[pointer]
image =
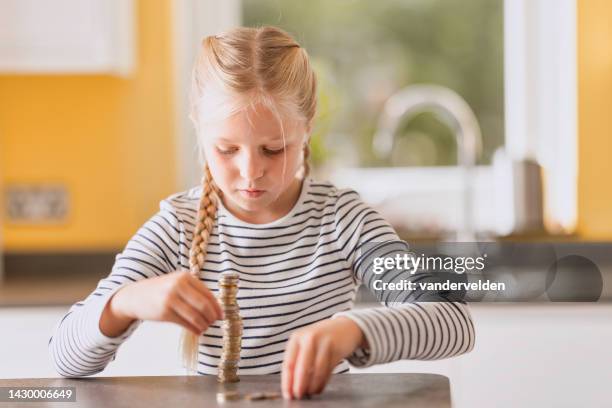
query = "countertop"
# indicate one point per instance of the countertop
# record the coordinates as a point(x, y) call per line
point(346, 390)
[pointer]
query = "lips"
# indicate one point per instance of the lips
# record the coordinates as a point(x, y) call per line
point(252, 192)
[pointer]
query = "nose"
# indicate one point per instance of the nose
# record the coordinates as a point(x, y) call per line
point(251, 166)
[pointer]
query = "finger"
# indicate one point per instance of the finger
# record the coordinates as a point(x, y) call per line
point(199, 302)
point(303, 367)
point(288, 368)
point(326, 377)
point(203, 289)
point(322, 363)
point(189, 314)
point(175, 318)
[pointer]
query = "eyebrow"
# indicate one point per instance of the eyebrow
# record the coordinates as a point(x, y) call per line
point(274, 139)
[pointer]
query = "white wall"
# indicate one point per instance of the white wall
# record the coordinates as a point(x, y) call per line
point(551, 355)
point(26, 332)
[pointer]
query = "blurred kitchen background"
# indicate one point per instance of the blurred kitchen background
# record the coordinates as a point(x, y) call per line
point(457, 119)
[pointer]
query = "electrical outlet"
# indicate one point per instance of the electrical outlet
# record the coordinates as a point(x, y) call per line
point(43, 203)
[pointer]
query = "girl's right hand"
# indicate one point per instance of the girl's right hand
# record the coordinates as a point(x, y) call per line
point(175, 297)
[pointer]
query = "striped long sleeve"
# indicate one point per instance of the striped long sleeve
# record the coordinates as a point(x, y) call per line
point(77, 346)
point(413, 328)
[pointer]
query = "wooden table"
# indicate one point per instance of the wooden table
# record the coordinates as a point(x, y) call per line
point(344, 390)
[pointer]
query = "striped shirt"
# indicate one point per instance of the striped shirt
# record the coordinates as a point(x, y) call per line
point(295, 271)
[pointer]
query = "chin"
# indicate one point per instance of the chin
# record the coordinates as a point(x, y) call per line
point(252, 205)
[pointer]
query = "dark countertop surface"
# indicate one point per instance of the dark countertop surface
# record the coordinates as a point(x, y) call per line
point(345, 390)
point(61, 279)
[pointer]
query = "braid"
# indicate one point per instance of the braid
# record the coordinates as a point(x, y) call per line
point(205, 219)
point(306, 158)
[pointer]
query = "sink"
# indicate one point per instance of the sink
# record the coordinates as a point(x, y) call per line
point(426, 200)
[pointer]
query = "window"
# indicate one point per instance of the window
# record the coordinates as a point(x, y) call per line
point(364, 51)
point(513, 61)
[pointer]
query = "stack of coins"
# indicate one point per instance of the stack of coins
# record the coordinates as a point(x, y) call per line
point(231, 328)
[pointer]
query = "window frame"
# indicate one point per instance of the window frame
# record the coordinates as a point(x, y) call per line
point(540, 88)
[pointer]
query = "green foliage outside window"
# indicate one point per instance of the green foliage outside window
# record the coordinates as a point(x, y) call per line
point(364, 51)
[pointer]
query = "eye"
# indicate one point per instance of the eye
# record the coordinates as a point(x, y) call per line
point(226, 151)
point(272, 152)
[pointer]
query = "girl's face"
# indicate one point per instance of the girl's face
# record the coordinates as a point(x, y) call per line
point(251, 165)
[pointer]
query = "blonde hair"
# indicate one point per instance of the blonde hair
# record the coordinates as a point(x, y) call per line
point(236, 70)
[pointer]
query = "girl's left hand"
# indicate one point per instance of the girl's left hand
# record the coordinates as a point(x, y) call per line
point(313, 352)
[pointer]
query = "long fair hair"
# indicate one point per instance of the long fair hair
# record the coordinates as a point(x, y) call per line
point(234, 71)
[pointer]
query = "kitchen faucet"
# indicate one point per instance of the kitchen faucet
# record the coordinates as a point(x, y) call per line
point(452, 110)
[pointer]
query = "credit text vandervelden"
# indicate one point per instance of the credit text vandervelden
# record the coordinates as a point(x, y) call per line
point(412, 264)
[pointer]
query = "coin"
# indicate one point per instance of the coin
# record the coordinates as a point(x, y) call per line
point(228, 396)
point(271, 395)
point(258, 396)
point(254, 396)
point(231, 328)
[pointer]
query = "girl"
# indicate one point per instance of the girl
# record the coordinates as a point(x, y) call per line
point(295, 243)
